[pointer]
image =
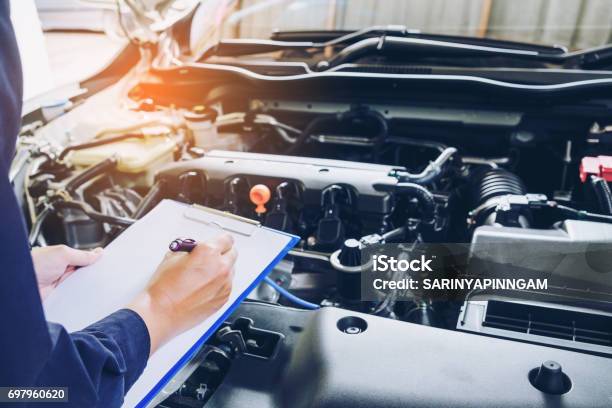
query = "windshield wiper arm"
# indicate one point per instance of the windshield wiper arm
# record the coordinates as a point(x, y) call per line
point(416, 47)
point(410, 44)
point(330, 37)
point(286, 40)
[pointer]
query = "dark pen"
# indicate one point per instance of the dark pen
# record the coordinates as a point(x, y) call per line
point(182, 245)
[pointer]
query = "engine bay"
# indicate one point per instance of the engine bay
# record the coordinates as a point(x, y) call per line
point(344, 171)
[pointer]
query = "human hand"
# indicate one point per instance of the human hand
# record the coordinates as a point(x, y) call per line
point(53, 264)
point(186, 289)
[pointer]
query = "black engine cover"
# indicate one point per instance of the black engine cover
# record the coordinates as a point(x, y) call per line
point(396, 364)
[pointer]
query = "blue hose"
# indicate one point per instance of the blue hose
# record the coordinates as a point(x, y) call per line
point(291, 297)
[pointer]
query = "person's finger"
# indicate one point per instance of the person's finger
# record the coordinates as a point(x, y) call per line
point(64, 276)
point(231, 256)
point(77, 257)
point(172, 254)
point(220, 244)
point(223, 242)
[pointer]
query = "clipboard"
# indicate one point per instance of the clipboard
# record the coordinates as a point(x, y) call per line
point(131, 259)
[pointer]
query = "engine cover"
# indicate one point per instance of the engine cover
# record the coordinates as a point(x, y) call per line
point(413, 366)
point(310, 176)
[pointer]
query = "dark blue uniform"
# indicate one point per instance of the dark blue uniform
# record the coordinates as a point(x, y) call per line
point(100, 363)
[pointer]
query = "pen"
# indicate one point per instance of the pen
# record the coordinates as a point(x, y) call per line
point(182, 245)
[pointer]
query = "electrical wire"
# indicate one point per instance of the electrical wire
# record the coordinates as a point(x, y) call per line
point(398, 232)
point(301, 253)
point(584, 215)
point(290, 296)
point(37, 226)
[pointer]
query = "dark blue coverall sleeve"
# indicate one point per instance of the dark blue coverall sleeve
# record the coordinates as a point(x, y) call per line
point(98, 364)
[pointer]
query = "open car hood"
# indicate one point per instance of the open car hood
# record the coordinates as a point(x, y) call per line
point(144, 20)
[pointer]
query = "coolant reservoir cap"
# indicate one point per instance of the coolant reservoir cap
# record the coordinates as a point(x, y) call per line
point(201, 114)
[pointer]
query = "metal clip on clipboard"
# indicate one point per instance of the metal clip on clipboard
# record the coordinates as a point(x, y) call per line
point(222, 220)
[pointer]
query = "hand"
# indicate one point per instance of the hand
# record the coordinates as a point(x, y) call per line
point(53, 264)
point(186, 289)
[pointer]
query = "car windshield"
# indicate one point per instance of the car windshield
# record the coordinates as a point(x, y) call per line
point(570, 23)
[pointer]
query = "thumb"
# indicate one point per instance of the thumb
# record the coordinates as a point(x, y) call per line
point(77, 257)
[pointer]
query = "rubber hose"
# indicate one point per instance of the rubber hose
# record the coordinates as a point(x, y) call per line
point(150, 200)
point(603, 193)
point(93, 214)
point(423, 196)
point(300, 141)
point(383, 126)
point(37, 226)
point(494, 183)
point(431, 172)
point(89, 174)
point(290, 296)
point(101, 142)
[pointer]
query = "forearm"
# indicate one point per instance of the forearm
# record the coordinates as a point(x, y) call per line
point(125, 335)
point(100, 363)
point(157, 319)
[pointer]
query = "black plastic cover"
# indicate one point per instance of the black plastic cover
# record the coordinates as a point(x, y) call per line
point(311, 174)
point(389, 363)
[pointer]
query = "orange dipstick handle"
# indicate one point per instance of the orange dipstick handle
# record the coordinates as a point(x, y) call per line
point(260, 195)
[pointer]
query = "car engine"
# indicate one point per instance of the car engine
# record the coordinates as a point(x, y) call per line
point(385, 162)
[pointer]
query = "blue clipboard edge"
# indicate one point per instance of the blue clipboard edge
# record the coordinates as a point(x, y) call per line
point(194, 349)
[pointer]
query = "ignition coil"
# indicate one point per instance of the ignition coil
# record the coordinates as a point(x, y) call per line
point(232, 194)
point(278, 218)
point(330, 229)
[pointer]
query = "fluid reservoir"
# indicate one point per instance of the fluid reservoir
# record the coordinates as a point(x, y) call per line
point(201, 123)
point(138, 155)
point(134, 155)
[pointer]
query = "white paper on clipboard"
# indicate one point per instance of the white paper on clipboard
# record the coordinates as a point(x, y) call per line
point(129, 262)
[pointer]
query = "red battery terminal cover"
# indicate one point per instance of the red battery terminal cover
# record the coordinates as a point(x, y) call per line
point(600, 166)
